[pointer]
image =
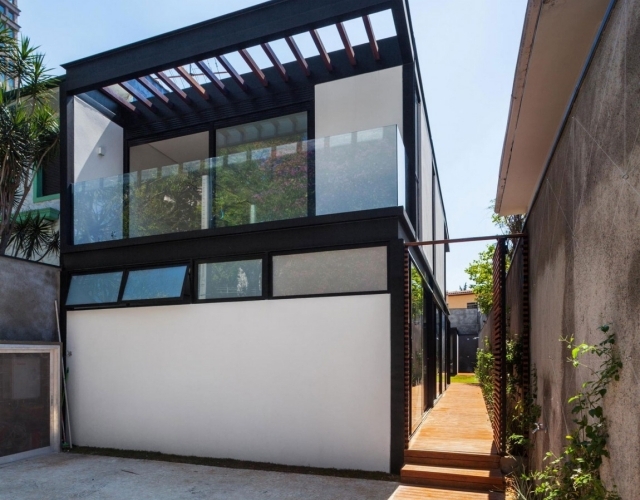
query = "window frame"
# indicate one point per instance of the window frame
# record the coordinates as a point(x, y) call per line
point(185, 296)
point(93, 305)
point(185, 292)
point(232, 258)
point(384, 244)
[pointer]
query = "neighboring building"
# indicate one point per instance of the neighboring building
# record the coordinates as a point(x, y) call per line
point(233, 245)
point(466, 323)
point(44, 198)
point(462, 299)
point(571, 161)
point(9, 14)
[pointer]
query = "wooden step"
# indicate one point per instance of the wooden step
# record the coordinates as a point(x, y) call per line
point(452, 459)
point(406, 492)
point(452, 477)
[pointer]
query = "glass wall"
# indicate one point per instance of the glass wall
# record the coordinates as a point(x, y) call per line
point(417, 348)
point(261, 171)
point(337, 271)
point(438, 352)
point(229, 280)
point(264, 171)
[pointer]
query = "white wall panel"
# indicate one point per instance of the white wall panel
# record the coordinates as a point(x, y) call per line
point(298, 381)
point(359, 103)
point(426, 178)
point(91, 130)
point(440, 254)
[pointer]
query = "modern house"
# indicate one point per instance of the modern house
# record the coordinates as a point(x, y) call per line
point(235, 204)
point(570, 161)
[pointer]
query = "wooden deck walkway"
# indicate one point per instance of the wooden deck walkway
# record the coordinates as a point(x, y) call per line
point(459, 423)
point(452, 455)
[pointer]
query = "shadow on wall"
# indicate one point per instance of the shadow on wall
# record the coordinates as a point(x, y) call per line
point(27, 298)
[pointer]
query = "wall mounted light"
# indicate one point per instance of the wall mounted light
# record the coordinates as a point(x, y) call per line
point(100, 151)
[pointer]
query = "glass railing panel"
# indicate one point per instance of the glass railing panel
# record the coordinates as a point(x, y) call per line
point(98, 210)
point(357, 171)
point(345, 173)
point(167, 200)
point(263, 185)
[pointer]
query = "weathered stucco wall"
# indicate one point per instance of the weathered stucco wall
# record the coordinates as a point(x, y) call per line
point(27, 294)
point(585, 248)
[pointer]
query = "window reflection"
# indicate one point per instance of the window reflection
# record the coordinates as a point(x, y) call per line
point(100, 288)
point(417, 347)
point(263, 175)
point(227, 280)
point(161, 283)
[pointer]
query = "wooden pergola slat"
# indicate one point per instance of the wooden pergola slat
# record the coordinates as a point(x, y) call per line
point(275, 61)
point(193, 82)
point(323, 52)
point(119, 100)
point(233, 73)
point(304, 66)
point(351, 55)
point(137, 94)
point(148, 84)
point(213, 78)
point(166, 79)
point(373, 42)
point(254, 67)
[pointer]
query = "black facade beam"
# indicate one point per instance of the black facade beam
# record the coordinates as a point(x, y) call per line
point(249, 27)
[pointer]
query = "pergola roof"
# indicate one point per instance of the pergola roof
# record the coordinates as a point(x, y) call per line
point(188, 64)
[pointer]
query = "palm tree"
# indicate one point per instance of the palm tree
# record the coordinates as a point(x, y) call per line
point(29, 137)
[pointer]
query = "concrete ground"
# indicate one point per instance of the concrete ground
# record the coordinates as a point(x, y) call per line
point(65, 476)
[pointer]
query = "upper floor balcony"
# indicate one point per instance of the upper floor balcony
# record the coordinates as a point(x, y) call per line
point(252, 182)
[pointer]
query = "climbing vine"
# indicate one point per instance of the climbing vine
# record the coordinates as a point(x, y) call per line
point(575, 473)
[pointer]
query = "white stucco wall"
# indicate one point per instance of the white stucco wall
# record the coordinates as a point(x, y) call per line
point(91, 130)
point(426, 178)
point(297, 381)
point(359, 103)
point(440, 250)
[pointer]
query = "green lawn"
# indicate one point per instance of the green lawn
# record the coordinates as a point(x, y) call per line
point(464, 378)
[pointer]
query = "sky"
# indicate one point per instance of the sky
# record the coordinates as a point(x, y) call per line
point(467, 51)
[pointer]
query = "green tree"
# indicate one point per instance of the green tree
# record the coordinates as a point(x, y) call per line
point(29, 134)
point(480, 273)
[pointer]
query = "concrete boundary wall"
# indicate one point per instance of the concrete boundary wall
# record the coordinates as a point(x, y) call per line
point(27, 294)
point(585, 250)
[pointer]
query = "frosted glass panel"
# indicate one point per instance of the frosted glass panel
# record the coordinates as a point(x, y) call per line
point(228, 280)
point(163, 283)
point(340, 271)
point(94, 288)
point(359, 171)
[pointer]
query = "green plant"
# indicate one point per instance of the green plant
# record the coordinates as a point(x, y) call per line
point(522, 411)
point(29, 129)
point(33, 237)
point(575, 473)
point(480, 272)
point(484, 374)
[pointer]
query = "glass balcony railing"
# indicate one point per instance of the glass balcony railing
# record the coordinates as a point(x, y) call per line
point(344, 173)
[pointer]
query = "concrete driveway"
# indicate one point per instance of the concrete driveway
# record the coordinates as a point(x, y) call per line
point(68, 476)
